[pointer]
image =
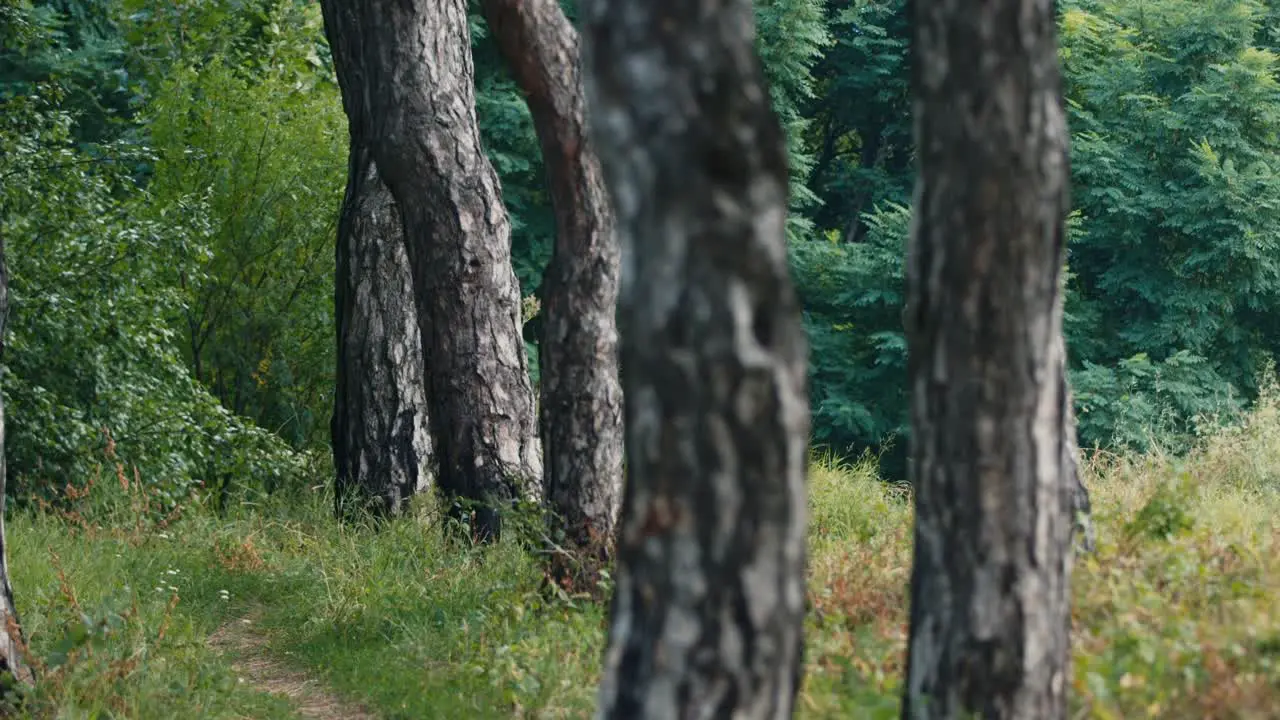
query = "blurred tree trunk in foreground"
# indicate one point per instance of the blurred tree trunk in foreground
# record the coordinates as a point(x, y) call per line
point(709, 607)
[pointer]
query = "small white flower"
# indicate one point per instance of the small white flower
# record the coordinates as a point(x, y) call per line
point(171, 572)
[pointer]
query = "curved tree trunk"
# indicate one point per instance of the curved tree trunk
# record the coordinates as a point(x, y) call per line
point(407, 80)
point(581, 396)
point(993, 450)
point(381, 441)
point(11, 659)
point(707, 615)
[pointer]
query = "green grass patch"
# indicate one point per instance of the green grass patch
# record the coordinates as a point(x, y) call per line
point(1176, 616)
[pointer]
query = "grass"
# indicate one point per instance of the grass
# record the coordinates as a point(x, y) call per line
point(1177, 615)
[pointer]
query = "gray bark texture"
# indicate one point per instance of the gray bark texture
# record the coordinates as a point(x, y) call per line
point(994, 467)
point(581, 407)
point(707, 614)
point(381, 440)
point(408, 81)
point(11, 643)
point(1082, 529)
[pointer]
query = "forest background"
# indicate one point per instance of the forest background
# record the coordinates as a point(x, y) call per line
point(170, 180)
point(172, 174)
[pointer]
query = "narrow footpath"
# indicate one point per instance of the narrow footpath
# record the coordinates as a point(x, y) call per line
point(244, 647)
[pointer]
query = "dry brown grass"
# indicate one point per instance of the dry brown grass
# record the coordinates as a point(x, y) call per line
point(1177, 614)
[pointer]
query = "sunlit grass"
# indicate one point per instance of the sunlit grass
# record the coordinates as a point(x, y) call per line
point(1177, 615)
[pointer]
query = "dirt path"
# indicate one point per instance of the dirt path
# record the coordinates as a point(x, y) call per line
point(240, 640)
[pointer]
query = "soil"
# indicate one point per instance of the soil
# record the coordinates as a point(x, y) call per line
point(247, 649)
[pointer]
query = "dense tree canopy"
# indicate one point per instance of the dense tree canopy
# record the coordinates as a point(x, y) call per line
point(179, 167)
point(1172, 261)
point(98, 280)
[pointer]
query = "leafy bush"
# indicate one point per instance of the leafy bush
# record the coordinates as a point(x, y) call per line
point(89, 352)
point(1175, 114)
point(1141, 404)
point(264, 157)
point(852, 296)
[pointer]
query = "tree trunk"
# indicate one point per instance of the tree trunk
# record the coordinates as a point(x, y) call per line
point(707, 614)
point(1082, 530)
point(11, 659)
point(581, 396)
point(381, 441)
point(994, 465)
point(407, 80)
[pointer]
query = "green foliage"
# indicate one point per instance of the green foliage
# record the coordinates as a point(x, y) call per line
point(860, 115)
point(1176, 120)
point(211, 137)
point(281, 37)
point(76, 44)
point(209, 222)
point(791, 35)
point(506, 129)
point(1166, 513)
point(267, 160)
point(1140, 404)
point(89, 355)
point(849, 271)
point(852, 296)
point(1174, 249)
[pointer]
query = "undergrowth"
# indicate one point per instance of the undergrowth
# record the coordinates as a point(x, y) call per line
point(1177, 614)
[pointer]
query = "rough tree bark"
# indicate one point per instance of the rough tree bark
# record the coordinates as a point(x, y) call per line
point(381, 441)
point(707, 613)
point(1082, 529)
point(992, 443)
point(581, 407)
point(11, 659)
point(407, 78)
